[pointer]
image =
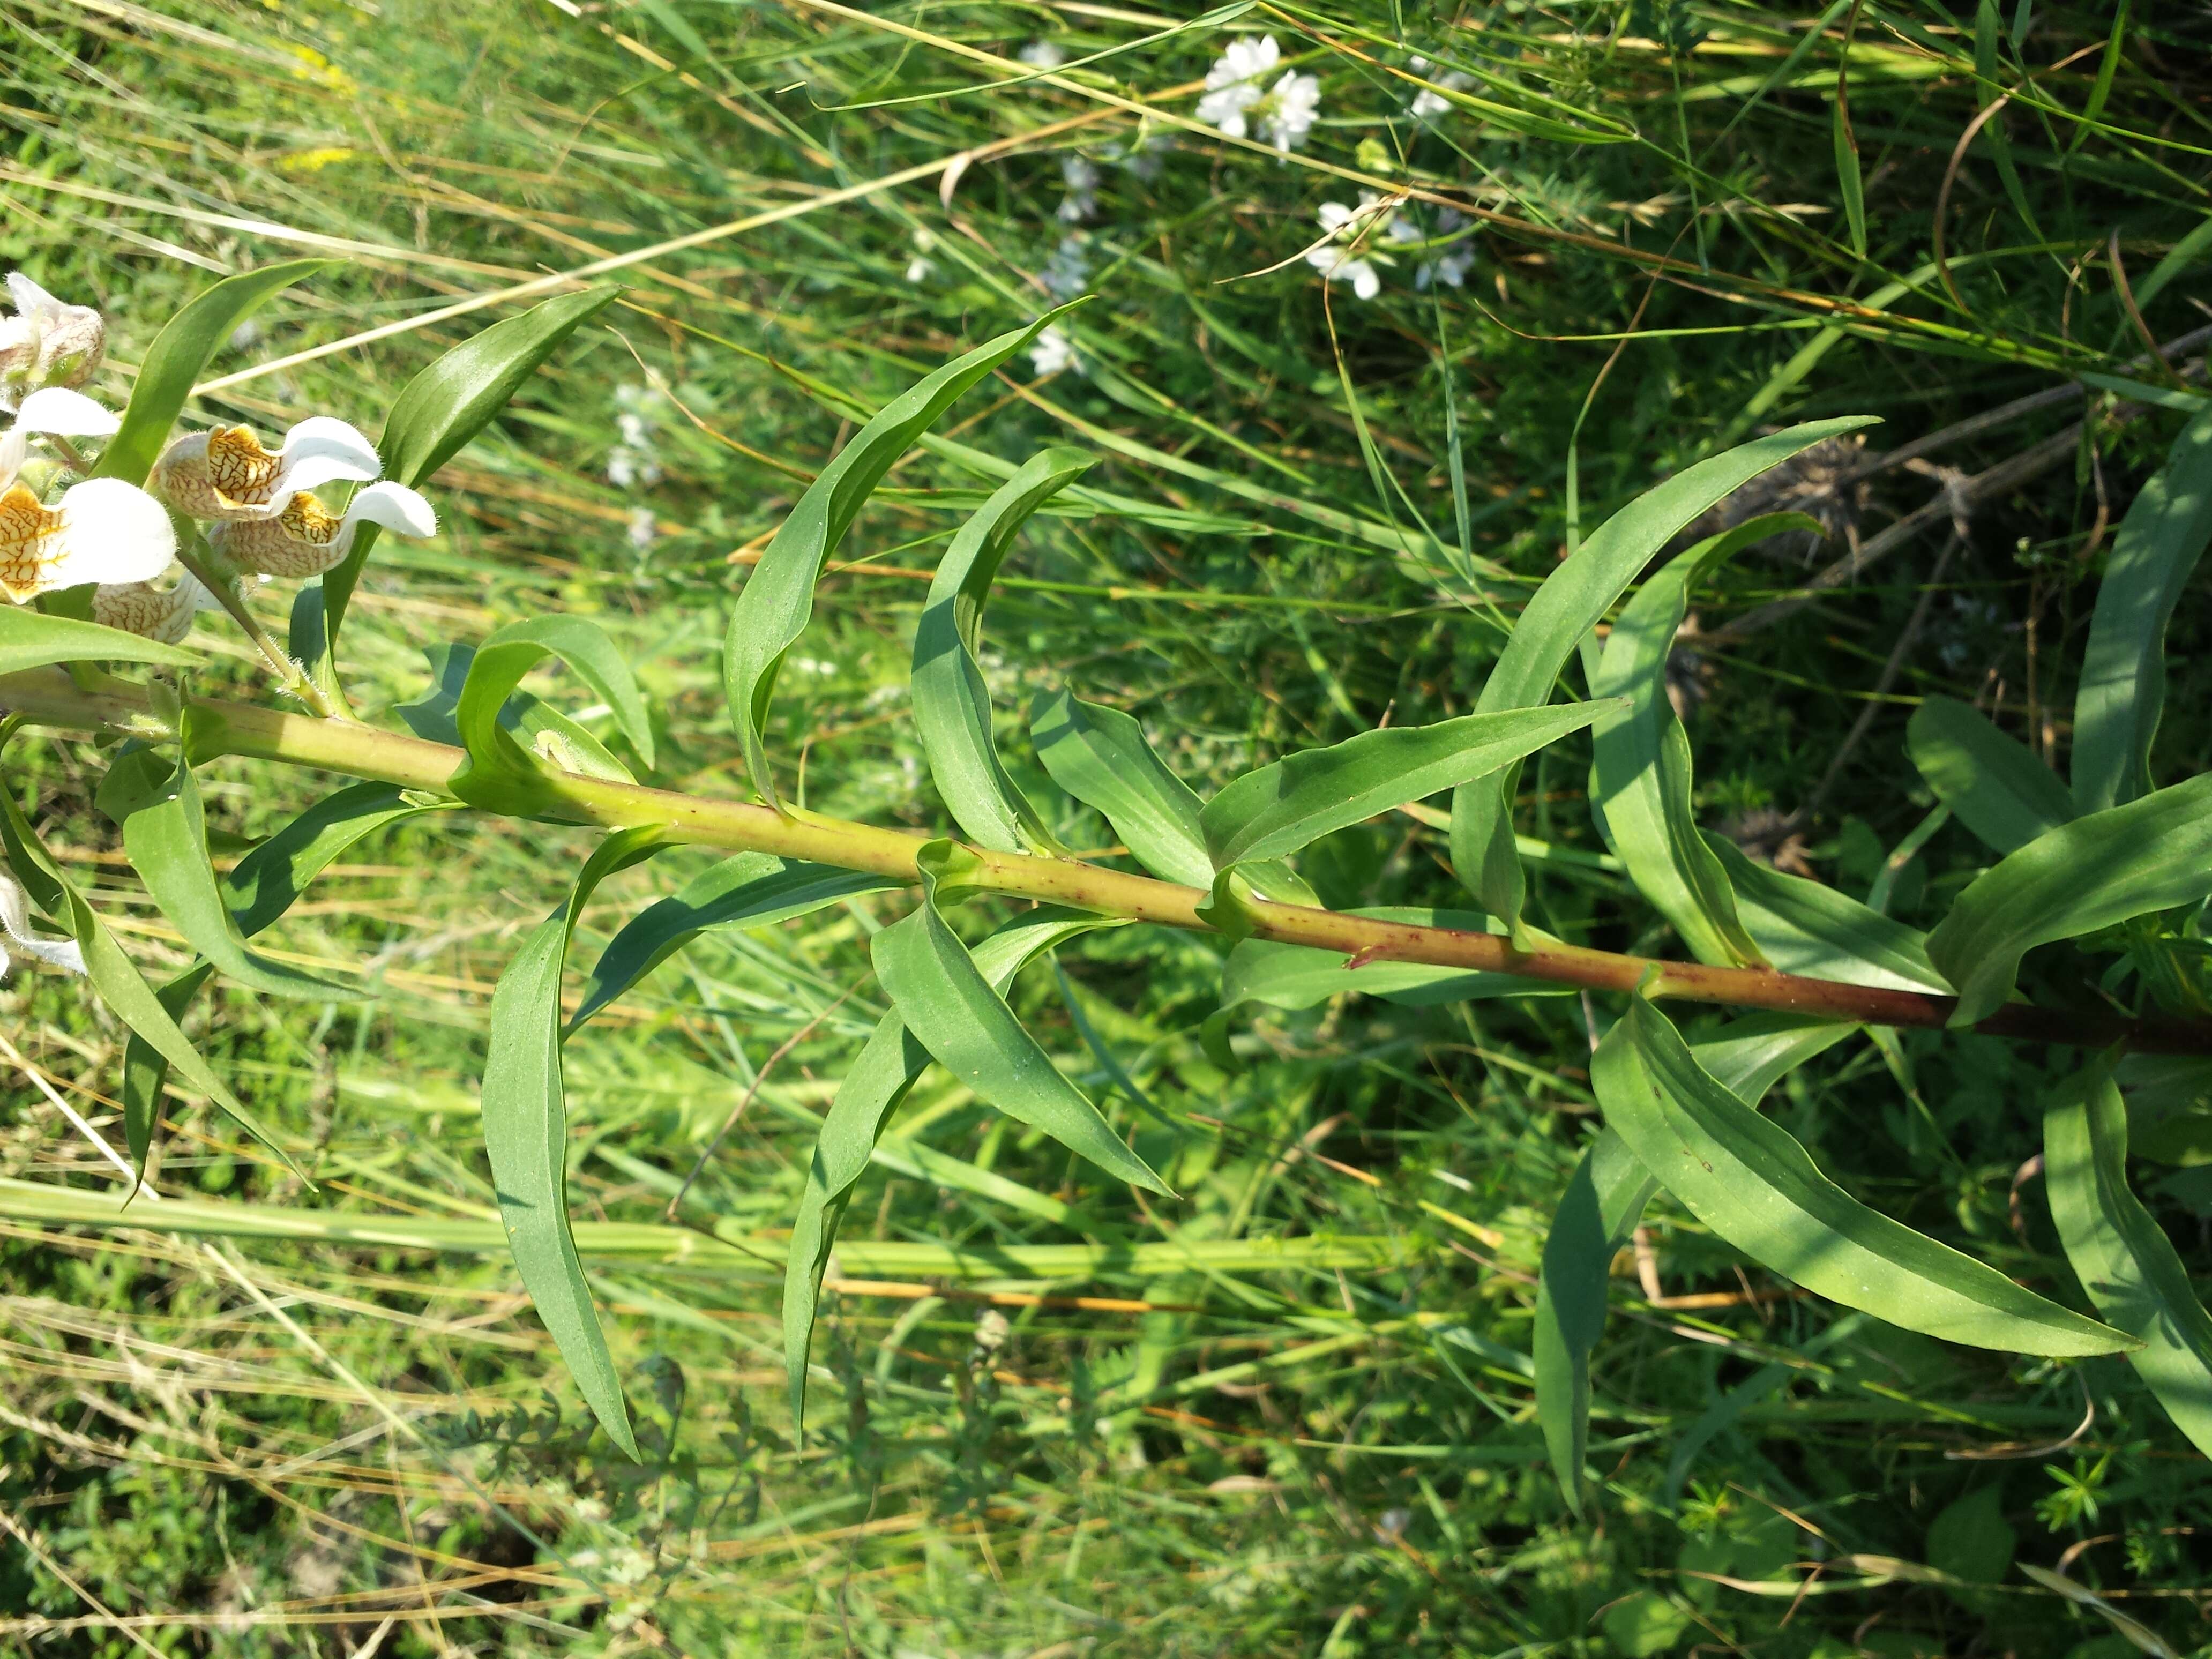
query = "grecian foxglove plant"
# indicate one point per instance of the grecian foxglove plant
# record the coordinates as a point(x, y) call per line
point(1799, 966)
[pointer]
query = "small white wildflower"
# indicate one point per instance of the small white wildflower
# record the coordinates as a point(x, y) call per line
point(1333, 258)
point(919, 269)
point(643, 531)
point(1450, 265)
point(1051, 352)
point(1082, 198)
point(1427, 106)
point(1232, 85)
point(1067, 271)
point(1288, 114)
point(1041, 55)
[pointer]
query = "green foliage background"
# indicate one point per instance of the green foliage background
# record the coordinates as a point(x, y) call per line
point(1172, 1449)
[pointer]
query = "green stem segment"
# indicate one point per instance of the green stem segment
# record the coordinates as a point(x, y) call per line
point(48, 697)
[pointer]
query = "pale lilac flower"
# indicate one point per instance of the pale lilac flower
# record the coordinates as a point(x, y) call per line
point(1082, 180)
point(1146, 160)
point(1067, 271)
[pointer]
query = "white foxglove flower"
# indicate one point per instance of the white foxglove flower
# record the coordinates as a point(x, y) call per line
point(1427, 106)
point(226, 474)
point(1041, 55)
point(102, 531)
point(16, 922)
point(52, 411)
point(1051, 352)
point(46, 342)
point(162, 614)
point(1232, 85)
point(306, 538)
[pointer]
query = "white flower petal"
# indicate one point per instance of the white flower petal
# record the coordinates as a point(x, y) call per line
point(111, 531)
point(65, 413)
point(30, 299)
point(15, 921)
point(323, 449)
point(395, 508)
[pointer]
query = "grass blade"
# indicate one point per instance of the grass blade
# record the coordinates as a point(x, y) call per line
point(952, 703)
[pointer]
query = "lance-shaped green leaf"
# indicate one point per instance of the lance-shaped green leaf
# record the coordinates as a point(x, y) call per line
point(968, 1028)
point(1749, 1180)
point(1299, 975)
point(952, 703)
point(1573, 600)
point(871, 1092)
point(2100, 869)
point(1100, 755)
point(1605, 1199)
point(157, 803)
point(501, 774)
point(778, 598)
point(446, 405)
point(525, 1129)
point(1280, 808)
point(260, 888)
point(180, 351)
point(32, 639)
point(538, 726)
point(1997, 787)
point(2123, 689)
point(1640, 776)
point(2121, 1255)
point(114, 976)
point(750, 890)
point(1808, 928)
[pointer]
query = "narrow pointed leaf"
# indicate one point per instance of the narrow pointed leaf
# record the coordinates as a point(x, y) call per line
point(871, 1092)
point(2151, 854)
point(1999, 790)
point(2122, 1256)
point(1749, 1180)
point(32, 639)
point(172, 364)
point(778, 598)
point(501, 774)
point(526, 1130)
point(1807, 927)
point(945, 1001)
point(1572, 601)
point(952, 703)
point(1299, 976)
point(2116, 710)
point(750, 889)
point(114, 976)
point(1100, 755)
point(446, 405)
point(157, 803)
point(1640, 774)
point(1604, 1200)
point(1280, 808)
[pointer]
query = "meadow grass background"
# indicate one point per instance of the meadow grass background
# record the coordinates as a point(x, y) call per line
point(1288, 1413)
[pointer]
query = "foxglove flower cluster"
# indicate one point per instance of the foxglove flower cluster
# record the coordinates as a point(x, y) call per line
point(1238, 104)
